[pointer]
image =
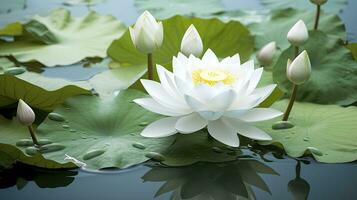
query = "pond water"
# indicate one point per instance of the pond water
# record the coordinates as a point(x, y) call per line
point(269, 176)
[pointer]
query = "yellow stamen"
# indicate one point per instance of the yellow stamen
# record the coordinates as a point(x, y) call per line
point(212, 77)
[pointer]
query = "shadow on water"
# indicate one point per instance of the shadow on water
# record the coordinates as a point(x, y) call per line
point(20, 175)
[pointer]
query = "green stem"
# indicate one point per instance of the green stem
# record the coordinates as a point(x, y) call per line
point(317, 17)
point(150, 67)
point(33, 135)
point(296, 51)
point(291, 103)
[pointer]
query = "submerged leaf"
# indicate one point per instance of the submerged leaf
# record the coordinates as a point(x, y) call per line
point(334, 72)
point(60, 39)
point(328, 132)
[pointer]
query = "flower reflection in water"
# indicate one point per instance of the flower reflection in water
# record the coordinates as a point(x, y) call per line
point(230, 180)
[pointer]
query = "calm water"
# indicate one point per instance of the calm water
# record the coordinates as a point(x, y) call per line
point(271, 177)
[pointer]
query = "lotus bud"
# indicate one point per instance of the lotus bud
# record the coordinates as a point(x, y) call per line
point(266, 54)
point(191, 42)
point(25, 114)
point(299, 70)
point(147, 34)
point(298, 34)
point(318, 2)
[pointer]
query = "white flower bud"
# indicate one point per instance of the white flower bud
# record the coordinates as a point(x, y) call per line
point(298, 34)
point(191, 42)
point(25, 114)
point(299, 70)
point(266, 54)
point(318, 2)
point(147, 34)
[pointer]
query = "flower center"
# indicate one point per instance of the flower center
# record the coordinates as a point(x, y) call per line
point(212, 76)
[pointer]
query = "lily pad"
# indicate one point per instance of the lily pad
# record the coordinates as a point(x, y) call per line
point(334, 6)
point(13, 132)
point(164, 9)
point(102, 133)
point(75, 38)
point(229, 180)
point(108, 82)
point(38, 91)
point(280, 21)
point(11, 5)
point(225, 39)
point(327, 132)
point(13, 29)
point(334, 72)
point(353, 48)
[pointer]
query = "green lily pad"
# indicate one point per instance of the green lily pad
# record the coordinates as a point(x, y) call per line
point(102, 133)
point(279, 22)
point(13, 132)
point(75, 38)
point(38, 91)
point(334, 6)
point(165, 9)
point(229, 180)
point(11, 5)
point(82, 2)
point(353, 48)
point(327, 132)
point(13, 29)
point(233, 38)
point(333, 78)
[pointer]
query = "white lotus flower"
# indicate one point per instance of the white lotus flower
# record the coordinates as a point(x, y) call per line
point(191, 42)
point(219, 95)
point(266, 54)
point(25, 114)
point(299, 70)
point(318, 2)
point(147, 34)
point(298, 34)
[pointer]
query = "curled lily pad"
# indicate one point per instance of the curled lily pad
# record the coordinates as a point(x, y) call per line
point(327, 132)
point(164, 9)
point(279, 22)
point(334, 6)
point(233, 38)
point(102, 133)
point(38, 91)
point(334, 72)
point(75, 38)
point(229, 180)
